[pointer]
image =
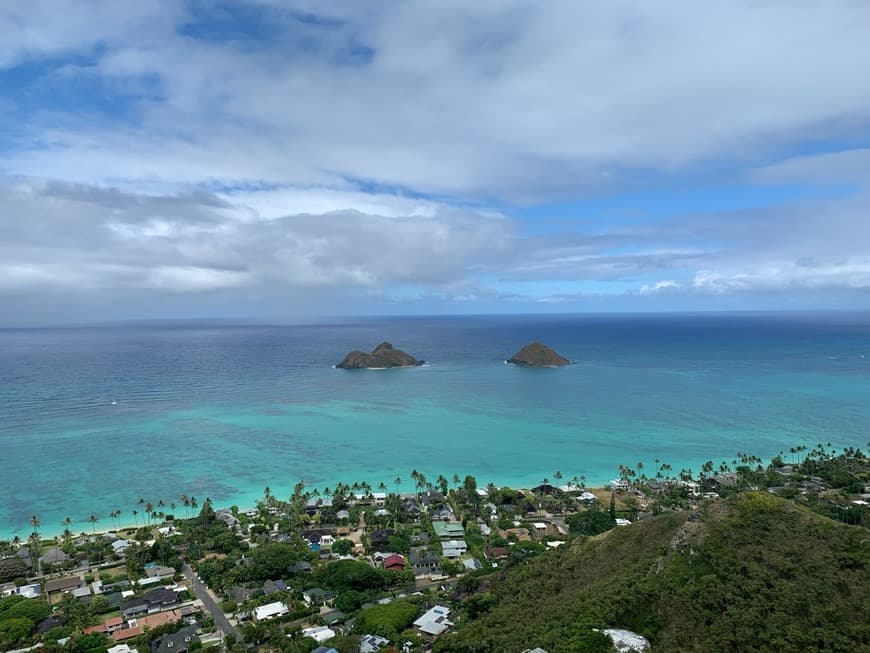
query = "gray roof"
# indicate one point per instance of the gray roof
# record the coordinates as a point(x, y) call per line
point(53, 555)
point(177, 642)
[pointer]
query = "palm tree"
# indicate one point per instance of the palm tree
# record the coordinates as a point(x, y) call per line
point(397, 481)
point(16, 542)
point(136, 517)
point(149, 511)
point(94, 519)
point(35, 546)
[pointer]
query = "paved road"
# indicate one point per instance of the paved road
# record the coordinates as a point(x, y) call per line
point(202, 593)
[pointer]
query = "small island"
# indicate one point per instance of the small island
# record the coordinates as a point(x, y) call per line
point(383, 356)
point(538, 354)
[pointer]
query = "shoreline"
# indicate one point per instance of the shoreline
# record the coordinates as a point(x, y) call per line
point(247, 499)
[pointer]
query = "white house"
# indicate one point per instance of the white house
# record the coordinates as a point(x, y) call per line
point(454, 548)
point(372, 643)
point(319, 633)
point(434, 621)
point(270, 611)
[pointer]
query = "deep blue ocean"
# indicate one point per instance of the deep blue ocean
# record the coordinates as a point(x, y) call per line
point(92, 419)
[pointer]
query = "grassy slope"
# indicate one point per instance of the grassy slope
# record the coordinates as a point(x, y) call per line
point(754, 574)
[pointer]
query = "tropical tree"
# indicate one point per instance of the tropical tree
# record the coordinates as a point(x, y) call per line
point(93, 519)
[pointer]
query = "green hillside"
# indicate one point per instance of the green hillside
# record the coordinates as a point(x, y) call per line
point(754, 573)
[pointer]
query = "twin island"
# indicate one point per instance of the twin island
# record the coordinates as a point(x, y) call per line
point(386, 356)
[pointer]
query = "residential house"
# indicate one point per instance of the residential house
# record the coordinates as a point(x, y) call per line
point(394, 562)
point(270, 611)
point(424, 562)
point(63, 584)
point(121, 648)
point(159, 572)
point(472, 564)
point(440, 514)
point(303, 566)
point(372, 643)
point(319, 634)
point(178, 642)
point(454, 548)
point(53, 555)
point(30, 591)
point(124, 634)
point(228, 518)
point(108, 626)
point(323, 649)
point(134, 607)
point(495, 553)
point(448, 530)
point(161, 599)
point(160, 619)
point(380, 539)
point(316, 536)
point(434, 621)
point(317, 596)
point(82, 592)
point(273, 587)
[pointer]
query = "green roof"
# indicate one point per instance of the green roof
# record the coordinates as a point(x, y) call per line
point(448, 528)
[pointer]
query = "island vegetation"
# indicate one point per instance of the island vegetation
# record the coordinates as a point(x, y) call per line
point(381, 357)
point(738, 556)
point(537, 354)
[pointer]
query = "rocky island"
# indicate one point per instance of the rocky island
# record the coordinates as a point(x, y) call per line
point(382, 356)
point(538, 354)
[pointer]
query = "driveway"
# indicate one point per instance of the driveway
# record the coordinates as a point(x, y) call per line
point(208, 600)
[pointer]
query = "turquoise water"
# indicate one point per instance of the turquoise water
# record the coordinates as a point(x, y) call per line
point(93, 419)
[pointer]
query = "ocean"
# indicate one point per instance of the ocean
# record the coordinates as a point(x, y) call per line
point(93, 419)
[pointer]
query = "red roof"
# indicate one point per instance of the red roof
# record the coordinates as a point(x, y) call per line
point(127, 633)
point(99, 628)
point(394, 561)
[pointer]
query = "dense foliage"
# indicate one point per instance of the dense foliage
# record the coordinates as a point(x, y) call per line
point(386, 620)
point(754, 573)
point(18, 619)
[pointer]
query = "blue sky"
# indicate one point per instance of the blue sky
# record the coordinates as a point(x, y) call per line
point(281, 160)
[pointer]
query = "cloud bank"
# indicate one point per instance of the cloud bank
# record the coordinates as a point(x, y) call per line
point(403, 154)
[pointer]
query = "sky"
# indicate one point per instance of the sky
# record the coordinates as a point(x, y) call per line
point(281, 160)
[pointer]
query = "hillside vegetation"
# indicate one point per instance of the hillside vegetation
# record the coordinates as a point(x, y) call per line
point(753, 573)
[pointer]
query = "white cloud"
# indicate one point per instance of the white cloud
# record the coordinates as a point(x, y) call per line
point(61, 235)
point(786, 275)
point(659, 286)
point(511, 100)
